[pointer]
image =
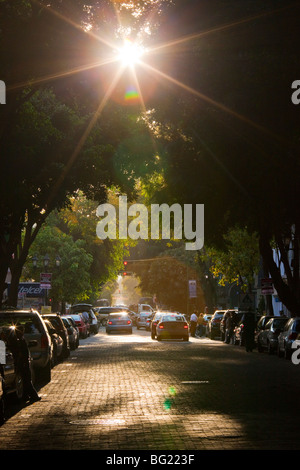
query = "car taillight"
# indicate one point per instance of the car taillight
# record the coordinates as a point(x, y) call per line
point(128, 322)
point(44, 341)
point(110, 322)
point(160, 326)
point(186, 327)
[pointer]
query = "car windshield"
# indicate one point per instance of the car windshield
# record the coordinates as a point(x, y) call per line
point(30, 323)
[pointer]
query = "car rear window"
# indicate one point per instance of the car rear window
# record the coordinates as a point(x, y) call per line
point(173, 318)
point(31, 323)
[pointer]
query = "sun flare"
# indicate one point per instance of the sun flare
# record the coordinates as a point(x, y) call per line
point(130, 53)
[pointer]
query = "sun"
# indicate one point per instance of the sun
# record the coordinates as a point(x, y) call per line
point(130, 53)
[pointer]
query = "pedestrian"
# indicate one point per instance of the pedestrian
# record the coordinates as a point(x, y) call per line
point(193, 323)
point(249, 323)
point(21, 354)
point(229, 325)
point(200, 325)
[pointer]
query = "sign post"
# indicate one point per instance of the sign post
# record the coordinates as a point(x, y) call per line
point(267, 286)
point(45, 283)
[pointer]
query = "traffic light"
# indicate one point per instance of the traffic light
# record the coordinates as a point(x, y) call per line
point(125, 272)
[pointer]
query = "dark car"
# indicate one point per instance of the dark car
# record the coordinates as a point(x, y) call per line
point(57, 343)
point(119, 322)
point(267, 339)
point(172, 326)
point(12, 380)
point(290, 333)
point(36, 336)
point(61, 330)
point(261, 325)
point(73, 331)
point(154, 321)
point(213, 327)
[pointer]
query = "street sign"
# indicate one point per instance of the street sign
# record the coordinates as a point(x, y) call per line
point(45, 280)
point(192, 289)
point(246, 300)
point(267, 286)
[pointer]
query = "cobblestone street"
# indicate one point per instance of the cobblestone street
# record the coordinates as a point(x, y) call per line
point(127, 392)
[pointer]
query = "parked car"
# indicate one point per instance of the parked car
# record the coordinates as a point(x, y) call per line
point(12, 380)
point(213, 327)
point(172, 326)
point(119, 321)
point(290, 333)
point(144, 320)
point(74, 337)
point(94, 326)
point(57, 344)
point(36, 336)
point(154, 321)
point(261, 325)
point(61, 330)
point(72, 332)
point(268, 337)
point(82, 326)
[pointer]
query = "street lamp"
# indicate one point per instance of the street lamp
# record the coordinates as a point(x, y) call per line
point(46, 260)
point(34, 261)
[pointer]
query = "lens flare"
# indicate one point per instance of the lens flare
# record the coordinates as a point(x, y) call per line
point(130, 53)
point(131, 95)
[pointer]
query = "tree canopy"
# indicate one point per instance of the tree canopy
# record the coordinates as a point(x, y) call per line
point(208, 117)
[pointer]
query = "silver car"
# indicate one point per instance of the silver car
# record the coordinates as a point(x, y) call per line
point(144, 320)
point(117, 322)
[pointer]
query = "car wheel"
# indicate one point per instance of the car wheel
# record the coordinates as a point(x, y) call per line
point(158, 338)
point(152, 335)
point(185, 338)
point(270, 349)
point(259, 348)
